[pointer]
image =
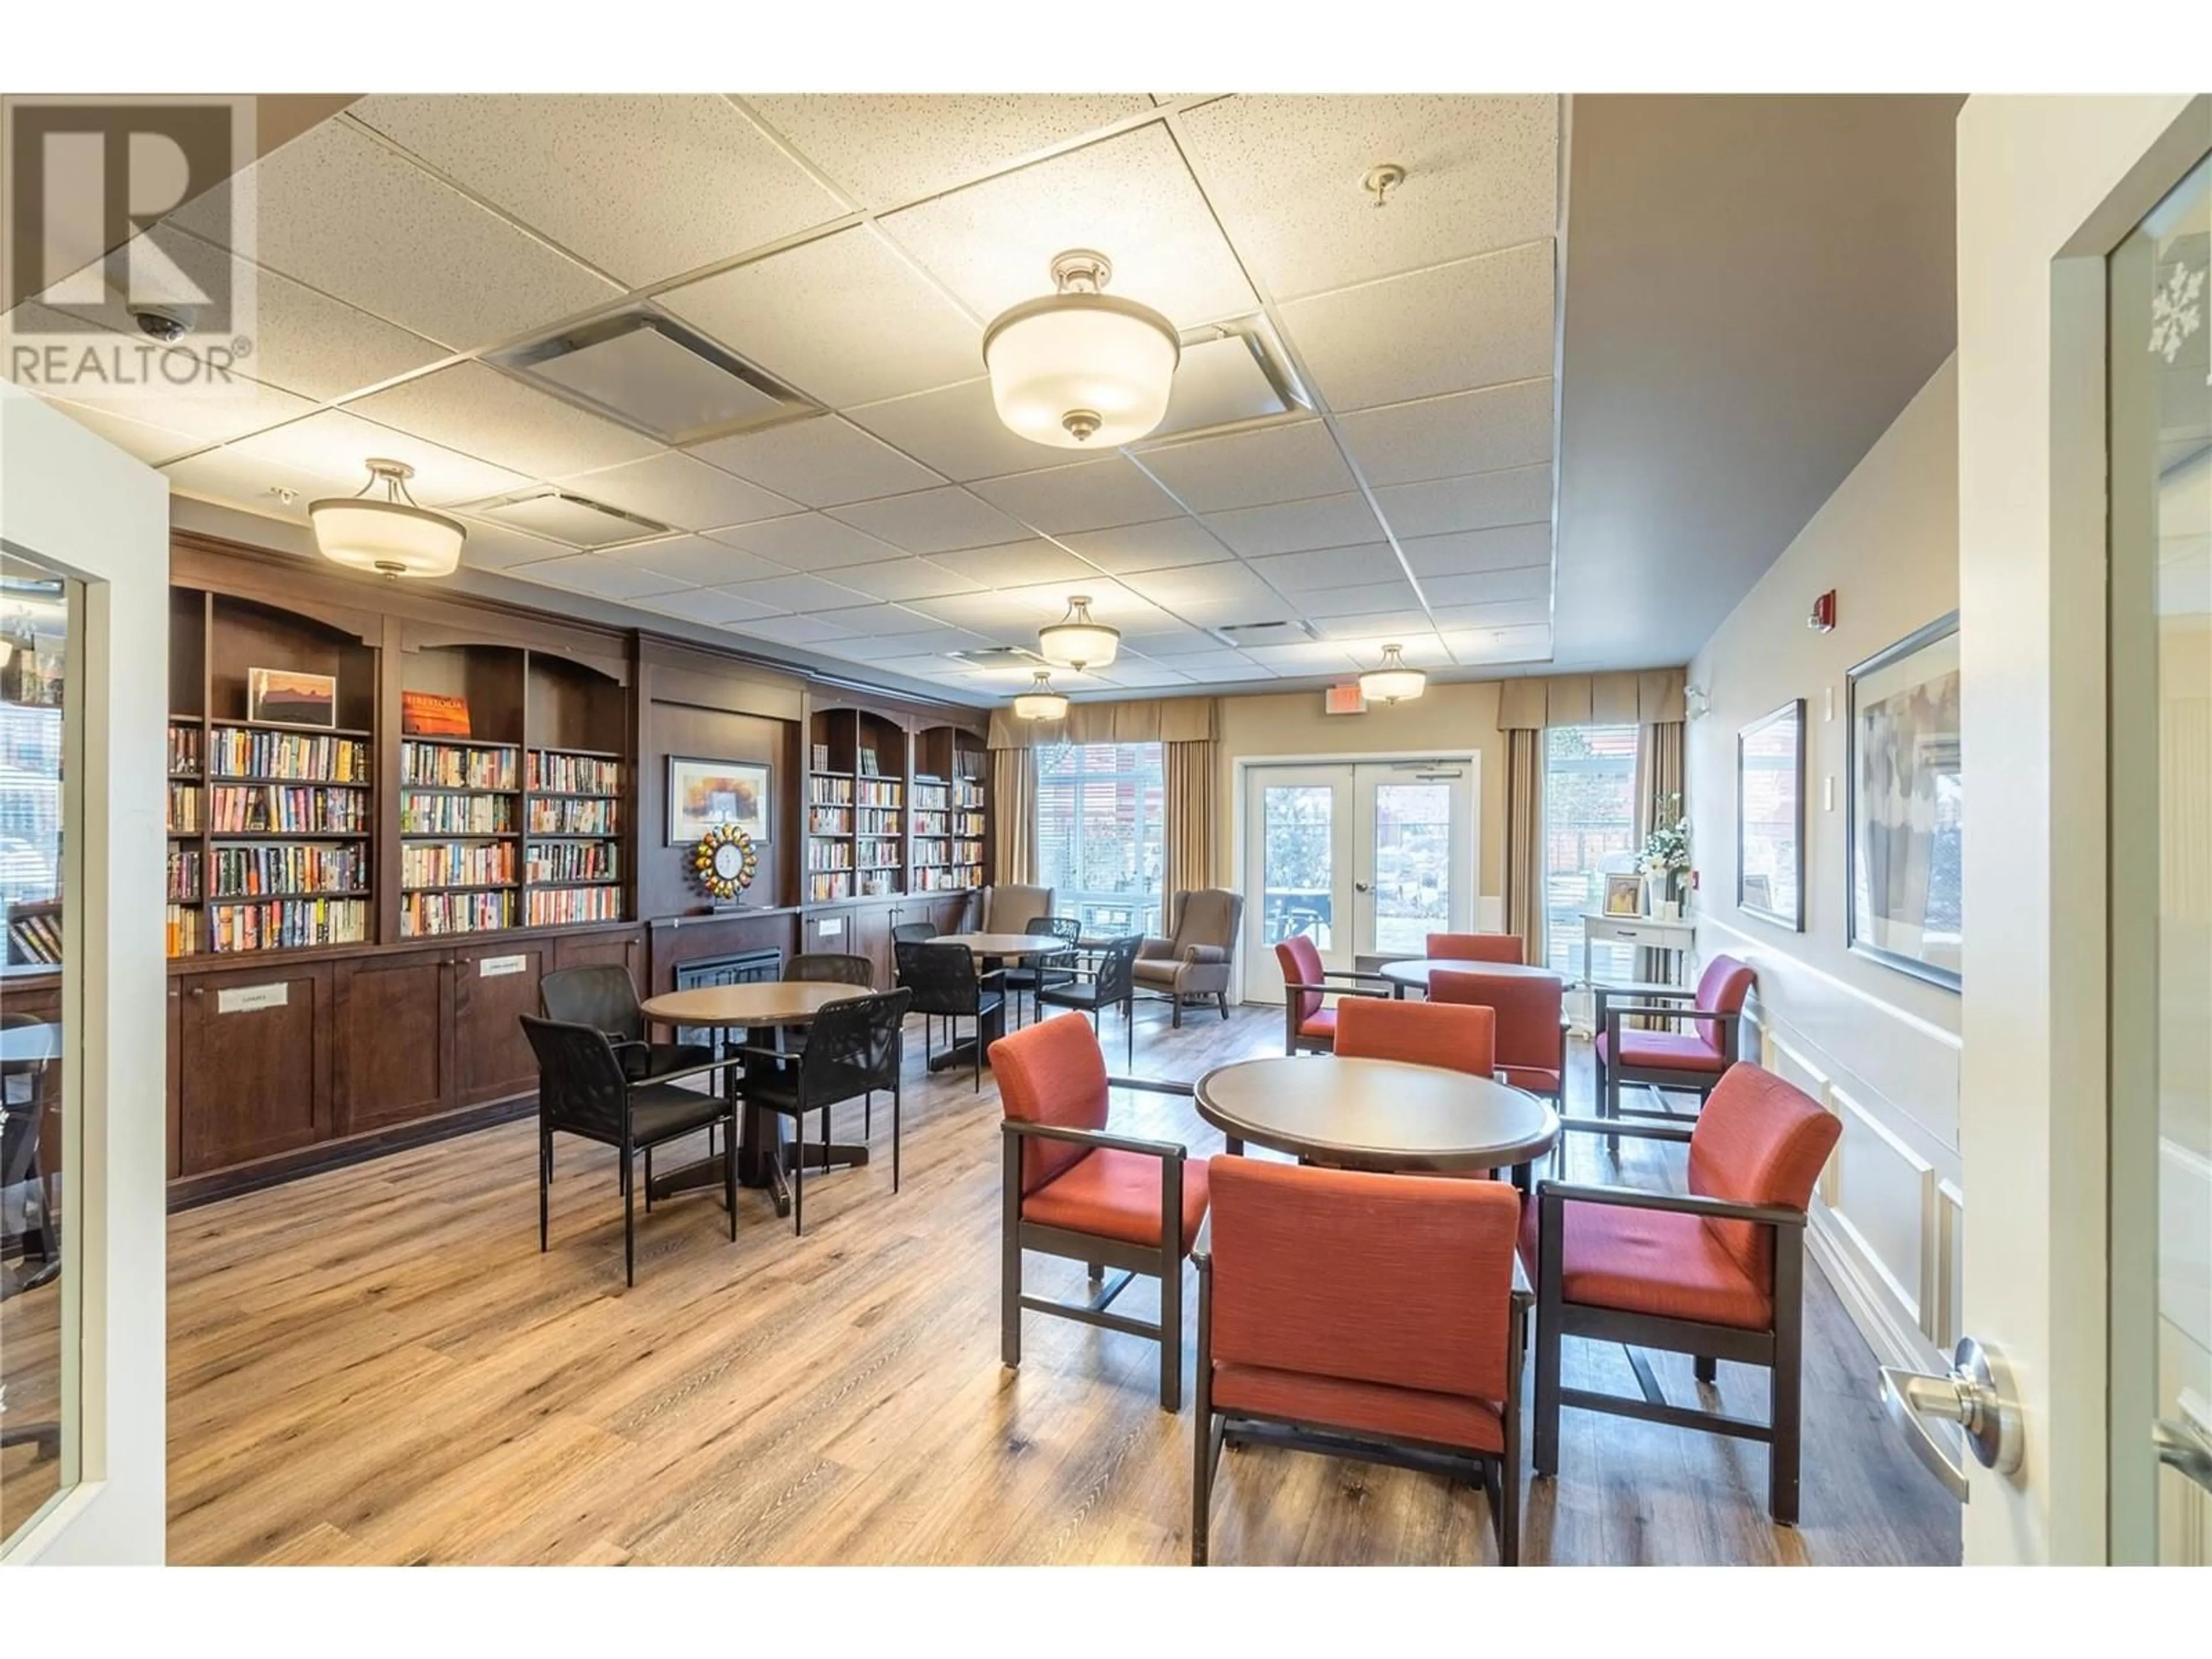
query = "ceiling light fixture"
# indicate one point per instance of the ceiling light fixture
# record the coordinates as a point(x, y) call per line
point(1076, 642)
point(394, 537)
point(1081, 368)
point(1040, 701)
point(1392, 682)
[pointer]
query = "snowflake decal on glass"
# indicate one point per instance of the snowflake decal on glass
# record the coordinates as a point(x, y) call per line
point(2174, 311)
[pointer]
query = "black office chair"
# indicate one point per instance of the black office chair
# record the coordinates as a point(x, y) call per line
point(603, 998)
point(913, 933)
point(1110, 979)
point(1058, 969)
point(582, 1091)
point(853, 1048)
point(830, 966)
point(944, 981)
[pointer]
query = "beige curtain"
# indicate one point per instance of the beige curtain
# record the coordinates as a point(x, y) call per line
point(1156, 719)
point(1524, 839)
point(1191, 831)
point(1625, 699)
point(1660, 799)
point(1013, 815)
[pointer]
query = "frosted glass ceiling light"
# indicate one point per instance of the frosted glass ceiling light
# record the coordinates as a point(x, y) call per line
point(392, 536)
point(1040, 701)
point(1076, 642)
point(1392, 682)
point(1081, 368)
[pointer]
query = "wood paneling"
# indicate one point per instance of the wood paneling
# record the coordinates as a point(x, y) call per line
point(256, 1074)
point(496, 981)
point(688, 938)
point(664, 886)
point(393, 1042)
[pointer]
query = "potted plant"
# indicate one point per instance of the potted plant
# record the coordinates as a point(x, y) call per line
point(1666, 860)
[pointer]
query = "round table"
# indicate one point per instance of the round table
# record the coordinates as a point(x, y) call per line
point(1414, 974)
point(763, 1002)
point(985, 948)
point(1382, 1114)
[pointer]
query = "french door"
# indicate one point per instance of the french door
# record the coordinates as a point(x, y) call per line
point(1363, 858)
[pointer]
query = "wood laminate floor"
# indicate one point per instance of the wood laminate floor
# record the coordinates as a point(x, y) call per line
point(377, 1365)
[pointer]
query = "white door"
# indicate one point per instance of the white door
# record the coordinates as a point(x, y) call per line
point(1364, 859)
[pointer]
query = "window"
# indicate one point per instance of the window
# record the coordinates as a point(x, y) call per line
point(1099, 836)
point(1590, 830)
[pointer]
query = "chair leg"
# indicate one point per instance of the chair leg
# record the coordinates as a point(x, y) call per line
point(1201, 1466)
point(1705, 1368)
point(1129, 1029)
point(1784, 1387)
point(978, 1053)
point(1174, 1017)
point(545, 1183)
point(1611, 1109)
point(648, 1181)
point(630, 1221)
point(1221, 1002)
point(798, 1173)
point(730, 1171)
point(868, 1115)
point(1010, 1255)
point(895, 1134)
point(1171, 1335)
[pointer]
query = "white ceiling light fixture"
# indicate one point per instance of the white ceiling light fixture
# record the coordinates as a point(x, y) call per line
point(1040, 701)
point(1392, 682)
point(1076, 642)
point(1081, 368)
point(394, 537)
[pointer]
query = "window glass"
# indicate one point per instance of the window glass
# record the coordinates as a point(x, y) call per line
point(1589, 832)
point(1098, 834)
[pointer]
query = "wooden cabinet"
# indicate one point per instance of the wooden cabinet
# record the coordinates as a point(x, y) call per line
point(393, 1048)
point(497, 984)
point(254, 1063)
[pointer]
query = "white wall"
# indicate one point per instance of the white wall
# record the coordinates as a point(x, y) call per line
point(77, 503)
point(1878, 1047)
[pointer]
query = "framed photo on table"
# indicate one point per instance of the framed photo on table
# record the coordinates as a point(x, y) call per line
point(1906, 788)
point(1624, 895)
point(1770, 817)
point(702, 794)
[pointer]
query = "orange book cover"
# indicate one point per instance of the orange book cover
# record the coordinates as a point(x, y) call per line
point(433, 714)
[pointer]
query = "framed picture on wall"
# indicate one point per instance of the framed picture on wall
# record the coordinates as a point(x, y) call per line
point(1770, 817)
point(1906, 792)
point(702, 794)
point(290, 697)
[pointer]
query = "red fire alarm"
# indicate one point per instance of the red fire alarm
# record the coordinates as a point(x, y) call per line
point(1823, 618)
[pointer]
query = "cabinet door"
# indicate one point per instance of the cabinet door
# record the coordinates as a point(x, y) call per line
point(496, 984)
point(173, 1028)
point(625, 950)
point(255, 1072)
point(393, 1056)
point(870, 931)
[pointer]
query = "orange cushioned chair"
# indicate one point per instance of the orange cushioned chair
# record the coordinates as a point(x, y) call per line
point(1361, 1315)
point(1532, 1033)
point(1689, 1062)
point(1718, 1273)
point(1459, 1039)
point(1074, 1190)
point(1476, 947)
point(1306, 1022)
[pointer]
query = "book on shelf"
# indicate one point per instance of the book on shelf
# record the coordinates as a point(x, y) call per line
point(237, 752)
point(555, 815)
point(287, 809)
point(554, 906)
point(557, 861)
point(829, 791)
point(425, 812)
point(965, 793)
point(829, 820)
point(186, 934)
point(878, 883)
point(290, 869)
point(184, 874)
point(185, 751)
point(433, 715)
point(874, 792)
point(455, 765)
point(829, 855)
point(575, 774)
point(423, 916)
point(820, 888)
point(184, 808)
point(286, 924)
point(879, 854)
point(822, 757)
point(456, 864)
point(876, 821)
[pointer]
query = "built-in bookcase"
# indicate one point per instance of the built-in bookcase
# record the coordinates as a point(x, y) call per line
point(460, 789)
point(857, 825)
point(948, 815)
point(578, 789)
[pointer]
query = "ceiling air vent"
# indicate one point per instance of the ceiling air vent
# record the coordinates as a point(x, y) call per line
point(1231, 373)
point(1001, 656)
point(1243, 636)
point(572, 520)
point(650, 372)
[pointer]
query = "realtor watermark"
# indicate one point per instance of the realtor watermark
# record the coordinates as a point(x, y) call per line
point(107, 295)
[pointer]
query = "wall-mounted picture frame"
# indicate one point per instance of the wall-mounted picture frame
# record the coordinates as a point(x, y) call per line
point(1624, 895)
point(1904, 804)
point(1770, 817)
point(287, 696)
point(702, 794)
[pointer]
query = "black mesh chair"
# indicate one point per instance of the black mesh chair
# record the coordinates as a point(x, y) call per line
point(23, 1163)
point(1111, 978)
point(943, 981)
point(835, 968)
point(603, 998)
point(1058, 969)
point(853, 1049)
point(582, 1091)
point(913, 933)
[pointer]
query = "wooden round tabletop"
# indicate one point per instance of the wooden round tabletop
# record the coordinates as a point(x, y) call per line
point(763, 1002)
point(1004, 945)
point(1416, 973)
point(1376, 1114)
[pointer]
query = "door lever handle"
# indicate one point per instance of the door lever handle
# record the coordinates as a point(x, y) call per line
point(2186, 1448)
point(1976, 1394)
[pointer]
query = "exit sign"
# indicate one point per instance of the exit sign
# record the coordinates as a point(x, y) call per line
point(1343, 700)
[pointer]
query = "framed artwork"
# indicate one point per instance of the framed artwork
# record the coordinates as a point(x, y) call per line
point(290, 697)
point(1624, 895)
point(1770, 817)
point(703, 794)
point(1906, 806)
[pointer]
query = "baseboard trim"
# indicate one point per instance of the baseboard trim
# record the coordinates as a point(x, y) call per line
point(1866, 1304)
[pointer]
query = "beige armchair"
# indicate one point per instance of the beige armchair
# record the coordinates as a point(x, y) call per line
point(1010, 908)
point(1195, 963)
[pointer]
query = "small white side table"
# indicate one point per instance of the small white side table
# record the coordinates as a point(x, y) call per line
point(1648, 931)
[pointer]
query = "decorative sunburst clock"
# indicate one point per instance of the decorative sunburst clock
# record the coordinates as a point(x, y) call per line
point(723, 862)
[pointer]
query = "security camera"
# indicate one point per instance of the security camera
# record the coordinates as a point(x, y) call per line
point(167, 323)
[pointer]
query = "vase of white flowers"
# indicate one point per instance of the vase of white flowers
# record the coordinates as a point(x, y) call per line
point(1666, 860)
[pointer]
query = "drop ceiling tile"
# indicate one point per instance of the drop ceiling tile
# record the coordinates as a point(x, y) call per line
point(1488, 588)
point(1521, 494)
point(150, 444)
point(798, 593)
point(933, 521)
point(1097, 495)
point(885, 622)
point(697, 560)
point(1298, 526)
point(842, 318)
point(1484, 321)
point(822, 461)
point(907, 578)
point(254, 482)
point(644, 187)
point(1368, 598)
point(708, 606)
point(795, 630)
point(1532, 644)
point(808, 541)
point(1174, 641)
point(1250, 673)
point(481, 411)
point(1485, 431)
point(336, 444)
point(1020, 563)
point(1159, 546)
point(1467, 552)
point(1374, 563)
point(1375, 625)
point(956, 430)
point(1000, 616)
point(343, 214)
point(494, 546)
point(210, 418)
point(1503, 613)
point(1111, 603)
point(1131, 197)
point(1307, 657)
point(1286, 173)
point(595, 573)
point(1133, 672)
point(890, 149)
point(1251, 468)
point(1421, 647)
point(1211, 587)
point(679, 490)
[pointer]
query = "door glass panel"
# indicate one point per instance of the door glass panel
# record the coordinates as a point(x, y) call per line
point(1298, 875)
point(38, 815)
point(1412, 865)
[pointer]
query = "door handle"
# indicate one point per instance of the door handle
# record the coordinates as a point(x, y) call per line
point(1976, 1394)
point(1362, 887)
point(2184, 1447)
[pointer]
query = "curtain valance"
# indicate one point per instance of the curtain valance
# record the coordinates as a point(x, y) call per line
point(1156, 719)
point(1648, 697)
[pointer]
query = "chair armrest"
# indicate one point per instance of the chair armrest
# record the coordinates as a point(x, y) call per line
point(1098, 1138)
point(1355, 973)
point(1151, 1086)
point(1201, 1249)
point(1334, 990)
point(1648, 990)
point(1613, 1011)
point(1632, 1197)
point(1155, 950)
point(689, 1071)
point(1608, 1126)
point(1204, 954)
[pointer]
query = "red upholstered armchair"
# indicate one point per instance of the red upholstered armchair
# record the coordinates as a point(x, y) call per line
point(1718, 1272)
point(1690, 1061)
point(1361, 1315)
point(1074, 1190)
point(1532, 1031)
point(1459, 1039)
point(1476, 947)
point(1306, 1022)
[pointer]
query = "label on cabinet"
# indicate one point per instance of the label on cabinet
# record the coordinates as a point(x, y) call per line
point(830, 926)
point(497, 967)
point(245, 999)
